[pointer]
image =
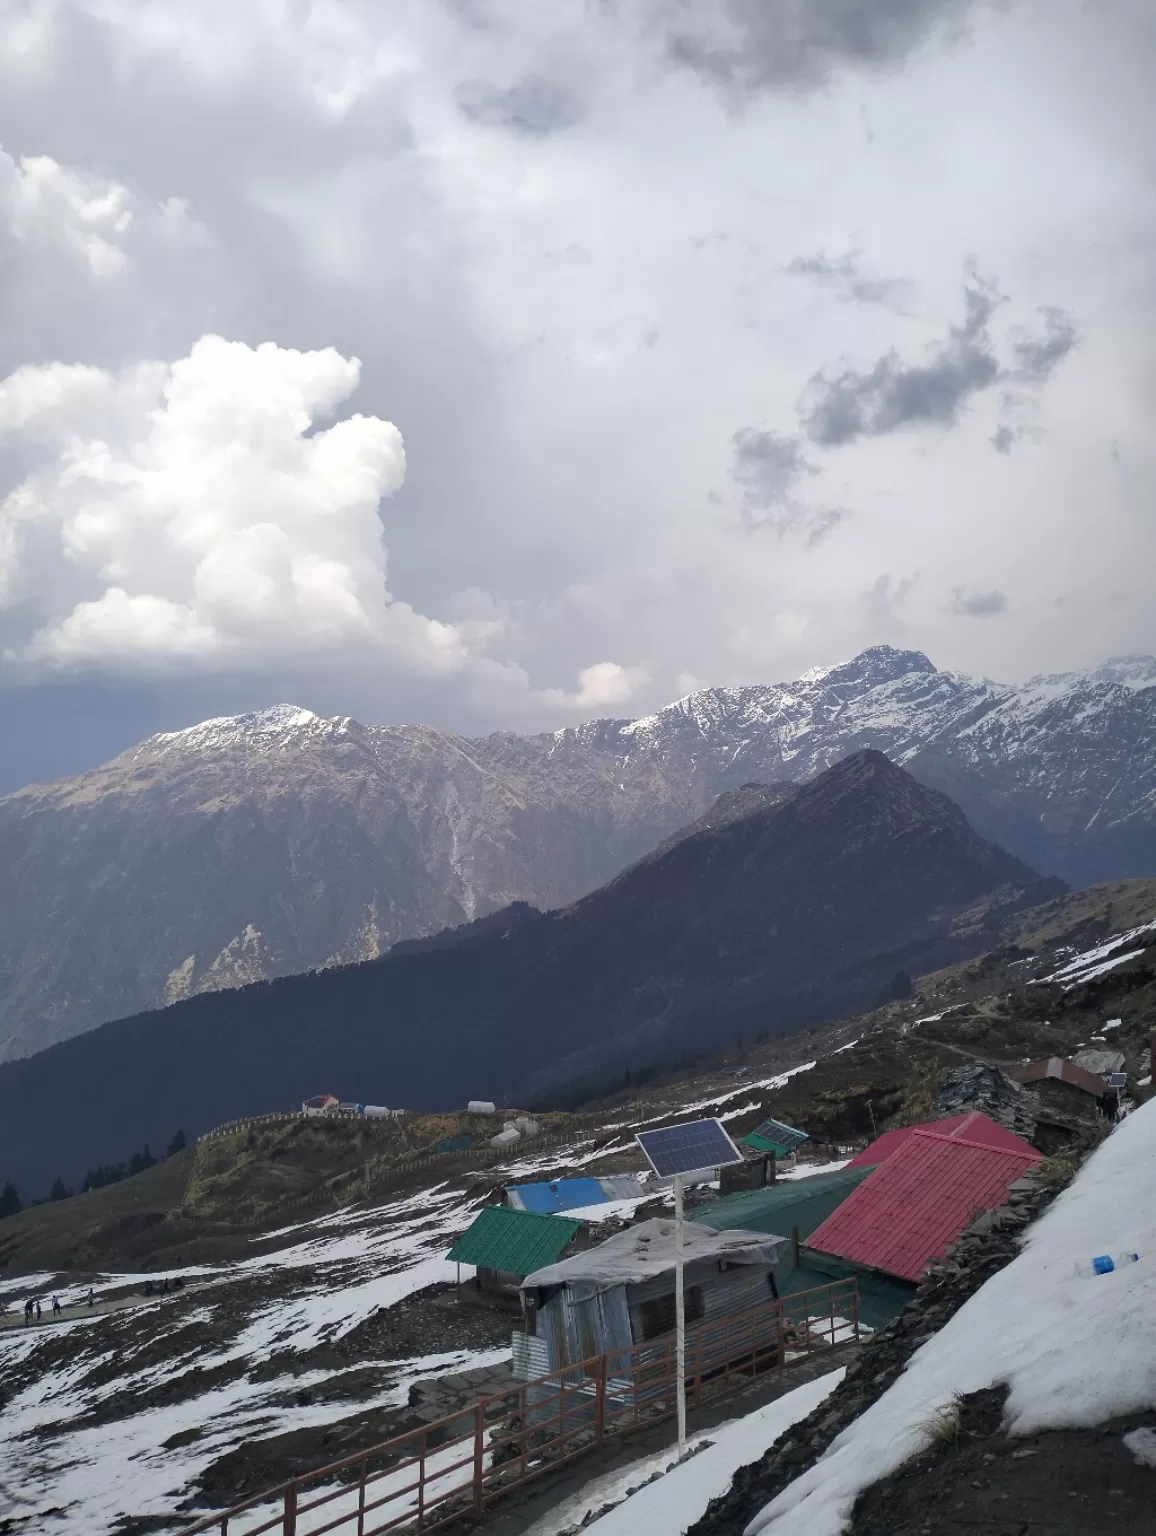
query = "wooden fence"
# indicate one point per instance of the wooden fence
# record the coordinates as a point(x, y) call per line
point(457, 1468)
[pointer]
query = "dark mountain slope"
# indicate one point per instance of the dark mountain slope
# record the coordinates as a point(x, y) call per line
point(271, 843)
point(793, 913)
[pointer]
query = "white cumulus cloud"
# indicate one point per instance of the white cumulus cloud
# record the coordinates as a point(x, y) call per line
point(195, 513)
point(190, 512)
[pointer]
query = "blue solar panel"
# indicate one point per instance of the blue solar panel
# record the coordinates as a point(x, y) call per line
point(1118, 1080)
point(688, 1148)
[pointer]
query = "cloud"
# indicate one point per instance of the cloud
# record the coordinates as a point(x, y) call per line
point(838, 408)
point(1037, 357)
point(1004, 438)
point(841, 274)
point(190, 512)
point(978, 605)
point(534, 106)
point(768, 468)
point(753, 45)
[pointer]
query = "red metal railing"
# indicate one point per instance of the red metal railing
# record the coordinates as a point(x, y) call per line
point(457, 1467)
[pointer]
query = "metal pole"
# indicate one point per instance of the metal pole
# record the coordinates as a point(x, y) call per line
point(679, 1319)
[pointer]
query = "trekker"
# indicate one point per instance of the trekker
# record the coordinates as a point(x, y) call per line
point(89, 1302)
point(28, 1310)
point(56, 1306)
point(37, 1309)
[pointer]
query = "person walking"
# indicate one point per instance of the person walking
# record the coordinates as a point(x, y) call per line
point(56, 1306)
point(28, 1310)
point(38, 1309)
point(89, 1302)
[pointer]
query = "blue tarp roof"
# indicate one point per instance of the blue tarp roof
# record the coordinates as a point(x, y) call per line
point(561, 1195)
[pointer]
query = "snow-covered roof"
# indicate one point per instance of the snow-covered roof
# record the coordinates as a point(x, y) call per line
point(649, 1249)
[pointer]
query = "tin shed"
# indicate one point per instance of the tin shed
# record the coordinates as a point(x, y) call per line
point(621, 1293)
point(914, 1205)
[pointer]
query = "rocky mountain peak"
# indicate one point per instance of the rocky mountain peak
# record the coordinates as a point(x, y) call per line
point(258, 729)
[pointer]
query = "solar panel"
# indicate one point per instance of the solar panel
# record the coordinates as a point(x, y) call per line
point(783, 1135)
point(1118, 1080)
point(687, 1148)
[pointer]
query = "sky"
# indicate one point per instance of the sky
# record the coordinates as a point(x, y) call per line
point(501, 365)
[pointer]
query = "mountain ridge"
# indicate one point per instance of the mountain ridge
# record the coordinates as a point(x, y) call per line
point(280, 840)
point(799, 911)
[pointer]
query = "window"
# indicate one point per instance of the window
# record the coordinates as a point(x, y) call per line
point(657, 1316)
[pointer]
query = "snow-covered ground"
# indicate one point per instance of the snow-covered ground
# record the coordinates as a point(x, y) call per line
point(681, 1494)
point(1101, 959)
point(1074, 1348)
point(71, 1469)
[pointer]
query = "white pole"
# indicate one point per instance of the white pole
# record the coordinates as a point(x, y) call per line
point(679, 1319)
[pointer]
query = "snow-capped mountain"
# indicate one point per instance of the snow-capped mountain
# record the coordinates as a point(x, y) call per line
point(273, 842)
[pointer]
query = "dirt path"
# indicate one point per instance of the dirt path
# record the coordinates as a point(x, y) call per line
point(16, 1319)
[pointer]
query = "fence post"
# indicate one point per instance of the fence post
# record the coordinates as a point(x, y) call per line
point(831, 1294)
point(361, 1498)
point(479, 1459)
point(855, 1308)
point(289, 1523)
point(781, 1339)
point(600, 1410)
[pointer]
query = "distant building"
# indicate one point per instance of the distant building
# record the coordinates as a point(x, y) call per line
point(776, 1137)
point(573, 1194)
point(321, 1104)
point(1072, 1100)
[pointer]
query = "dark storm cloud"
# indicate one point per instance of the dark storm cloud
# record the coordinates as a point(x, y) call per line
point(768, 468)
point(978, 605)
point(752, 45)
point(842, 275)
point(838, 408)
point(1004, 438)
point(1037, 357)
point(534, 106)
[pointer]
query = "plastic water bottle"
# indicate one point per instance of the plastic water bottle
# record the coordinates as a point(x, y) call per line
point(1105, 1263)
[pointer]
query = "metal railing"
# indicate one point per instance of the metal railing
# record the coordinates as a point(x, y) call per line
point(455, 1468)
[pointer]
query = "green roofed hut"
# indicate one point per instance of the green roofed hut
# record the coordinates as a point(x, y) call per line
point(776, 1137)
point(790, 1206)
point(795, 1208)
point(505, 1246)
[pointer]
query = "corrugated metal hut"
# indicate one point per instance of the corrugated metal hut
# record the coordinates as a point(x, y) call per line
point(917, 1202)
point(506, 1245)
point(777, 1137)
point(973, 1126)
point(621, 1292)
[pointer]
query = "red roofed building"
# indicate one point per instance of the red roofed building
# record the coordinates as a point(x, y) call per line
point(971, 1127)
point(916, 1203)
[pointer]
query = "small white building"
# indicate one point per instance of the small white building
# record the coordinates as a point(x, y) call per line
point(321, 1104)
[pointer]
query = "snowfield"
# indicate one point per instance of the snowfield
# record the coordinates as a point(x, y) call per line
point(65, 1473)
point(1074, 1350)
